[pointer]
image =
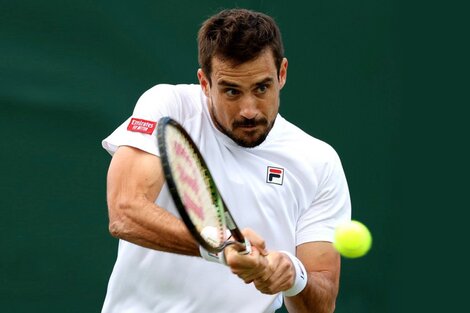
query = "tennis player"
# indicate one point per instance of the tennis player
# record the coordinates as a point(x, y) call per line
point(285, 188)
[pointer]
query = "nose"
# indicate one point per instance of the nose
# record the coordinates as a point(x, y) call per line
point(249, 107)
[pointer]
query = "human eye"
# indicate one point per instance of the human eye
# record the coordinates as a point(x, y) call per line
point(263, 88)
point(231, 92)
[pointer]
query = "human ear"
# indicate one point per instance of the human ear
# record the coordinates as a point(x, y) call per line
point(203, 81)
point(283, 72)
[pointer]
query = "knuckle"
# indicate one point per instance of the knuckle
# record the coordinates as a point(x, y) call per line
point(267, 290)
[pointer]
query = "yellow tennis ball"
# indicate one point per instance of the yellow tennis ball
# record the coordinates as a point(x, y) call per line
point(352, 239)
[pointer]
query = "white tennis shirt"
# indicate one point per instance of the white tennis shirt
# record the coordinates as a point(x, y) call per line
point(290, 189)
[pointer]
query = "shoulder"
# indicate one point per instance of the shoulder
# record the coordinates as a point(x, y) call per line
point(304, 144)
point(307, 157)
point(179, 90)
point(172, 93)
point(178, 101)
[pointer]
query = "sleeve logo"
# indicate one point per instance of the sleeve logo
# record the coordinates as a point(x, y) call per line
point(141, 126)
point(275, 175)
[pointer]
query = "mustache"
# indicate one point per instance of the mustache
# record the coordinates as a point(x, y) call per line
point(250, 122)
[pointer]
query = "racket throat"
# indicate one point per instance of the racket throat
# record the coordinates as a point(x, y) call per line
point(229, 221)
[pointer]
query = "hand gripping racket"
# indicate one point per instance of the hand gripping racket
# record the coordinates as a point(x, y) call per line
point(194, 191)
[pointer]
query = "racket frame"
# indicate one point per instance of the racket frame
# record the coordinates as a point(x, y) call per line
point(162, 125)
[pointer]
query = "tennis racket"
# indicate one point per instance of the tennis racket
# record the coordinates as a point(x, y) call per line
point(194, 191)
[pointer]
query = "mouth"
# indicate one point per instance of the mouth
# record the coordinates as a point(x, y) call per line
point(249, 131)
point(249, 125)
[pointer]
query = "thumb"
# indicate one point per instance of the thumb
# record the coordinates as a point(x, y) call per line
point(255, 240)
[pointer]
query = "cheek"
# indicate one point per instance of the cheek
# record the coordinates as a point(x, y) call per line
point(219, 109)
point(223, 113)
point(272, 106)
point(275, 109)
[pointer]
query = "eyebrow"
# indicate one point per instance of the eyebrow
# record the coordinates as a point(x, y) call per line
point(267, 80)
point(225, 83)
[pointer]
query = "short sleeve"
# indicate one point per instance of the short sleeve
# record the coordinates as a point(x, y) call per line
point(331, 205)
point(139, 130)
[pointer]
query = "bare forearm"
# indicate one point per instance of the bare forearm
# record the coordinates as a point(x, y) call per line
point(319, 296)
point(135, 179)
point(153, 227)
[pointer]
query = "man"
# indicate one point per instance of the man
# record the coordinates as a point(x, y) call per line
point(289, 217)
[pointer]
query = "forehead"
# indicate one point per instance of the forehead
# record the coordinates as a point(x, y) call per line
point(246, 73)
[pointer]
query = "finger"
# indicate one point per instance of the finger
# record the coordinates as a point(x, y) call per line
point(247, 267)
point(255, 240)
point(241, 262)
point(270, 284)
point(238, 246)
point(273, 284)
point(279, 277)
point(260, 271)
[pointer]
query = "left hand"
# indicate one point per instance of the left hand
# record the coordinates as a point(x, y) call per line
point(271, 272)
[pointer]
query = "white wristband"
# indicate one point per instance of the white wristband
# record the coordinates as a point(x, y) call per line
point(212, 257)
point(300, 277)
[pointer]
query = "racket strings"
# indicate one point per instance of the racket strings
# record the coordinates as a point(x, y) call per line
point(195, 186)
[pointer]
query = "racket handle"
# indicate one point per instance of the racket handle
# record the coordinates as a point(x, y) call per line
point(242, 241)
point(247, 247)
point(237, 234)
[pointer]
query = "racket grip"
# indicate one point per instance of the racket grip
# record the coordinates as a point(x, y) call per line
point(241, 240)
point(247, 245)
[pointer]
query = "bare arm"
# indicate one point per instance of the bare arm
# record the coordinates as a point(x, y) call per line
point(135, 179)
point(323, 264)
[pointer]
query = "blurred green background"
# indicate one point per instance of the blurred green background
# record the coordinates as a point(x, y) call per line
point(71, 72)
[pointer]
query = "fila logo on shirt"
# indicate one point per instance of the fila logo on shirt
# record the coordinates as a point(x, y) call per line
point(275, 175)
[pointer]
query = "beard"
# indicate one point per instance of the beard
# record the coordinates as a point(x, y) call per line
point(251, 139)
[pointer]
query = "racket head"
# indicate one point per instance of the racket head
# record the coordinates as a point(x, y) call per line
point(192, 187)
